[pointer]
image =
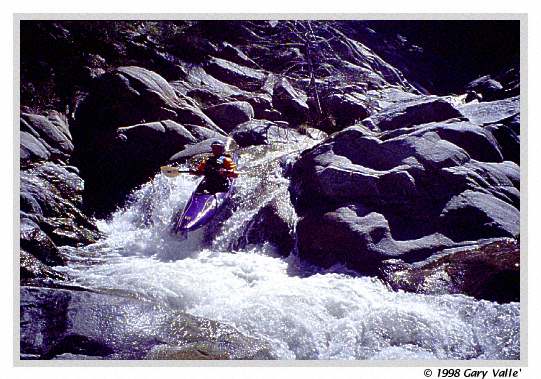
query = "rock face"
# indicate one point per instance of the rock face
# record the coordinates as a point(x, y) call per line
point(51, 216)
point(132, 95)
point(290, 102)
point(407, 193)
point(490, 272)
point(61, 324)
point(261, 132)
point(229, 115)
point(404, 115)
point(489, 88)
point(44, 138)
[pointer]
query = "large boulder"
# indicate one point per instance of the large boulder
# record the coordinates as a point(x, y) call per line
point(128, 158)
point(417, 189)
point(51, 198)
point(360, 241)
point(273, 224)
point(414, 112)
point(228, 115)
point(472, 215)
point(346, 108)
point(32, 150)
point(63, 324)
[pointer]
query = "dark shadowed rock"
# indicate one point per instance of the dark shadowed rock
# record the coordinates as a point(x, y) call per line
point(243, 77)
point(473, 215)
point(490, 271)
point(229, 115)
point(52, 131)
point(346, 108)
point(359, 240)
point(133, 95)
point(234, 54)
point(261, 132)
point(36, 242)
point(508, 137)
point(416, 112)
point(290, 102)
point(272, 224)
point(59, 322)
point(489, 88)
point(31, 149)
point(128, 158)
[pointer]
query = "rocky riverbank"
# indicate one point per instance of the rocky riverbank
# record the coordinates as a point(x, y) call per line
point(422, 191)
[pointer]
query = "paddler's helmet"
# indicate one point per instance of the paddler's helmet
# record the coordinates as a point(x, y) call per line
point(218, 147)
point(217, 143)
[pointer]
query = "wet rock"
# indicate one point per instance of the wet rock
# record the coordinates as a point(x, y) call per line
point(490, 272)
point(62, 323)
point(290, 102)
point(235, 74)
point(415, 112)
point(33, 269)
point(272, 224)
point(36, 242)
point(51, 197)
point(229, 115)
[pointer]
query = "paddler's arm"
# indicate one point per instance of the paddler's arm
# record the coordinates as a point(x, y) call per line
point(200, 169)
point(229, 168)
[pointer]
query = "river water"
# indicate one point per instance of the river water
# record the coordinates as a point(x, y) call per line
point(302, 313)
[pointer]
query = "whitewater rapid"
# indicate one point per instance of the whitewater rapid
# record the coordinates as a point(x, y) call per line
point(301, 313)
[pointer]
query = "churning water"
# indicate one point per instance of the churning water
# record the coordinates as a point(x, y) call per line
point(302, 315)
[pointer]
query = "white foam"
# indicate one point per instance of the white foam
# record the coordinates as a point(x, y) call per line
point(321, 316)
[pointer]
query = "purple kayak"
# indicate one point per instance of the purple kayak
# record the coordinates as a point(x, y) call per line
point(203, 205)
point(201, 208)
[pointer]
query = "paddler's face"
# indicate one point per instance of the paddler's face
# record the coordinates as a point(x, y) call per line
point(217, 150)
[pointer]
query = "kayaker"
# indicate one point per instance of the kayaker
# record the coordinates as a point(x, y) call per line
point(217, 169)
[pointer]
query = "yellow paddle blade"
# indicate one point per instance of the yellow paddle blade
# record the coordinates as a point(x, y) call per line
point(169, 171)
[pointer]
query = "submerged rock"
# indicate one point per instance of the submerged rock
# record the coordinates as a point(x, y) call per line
point(61, 323)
